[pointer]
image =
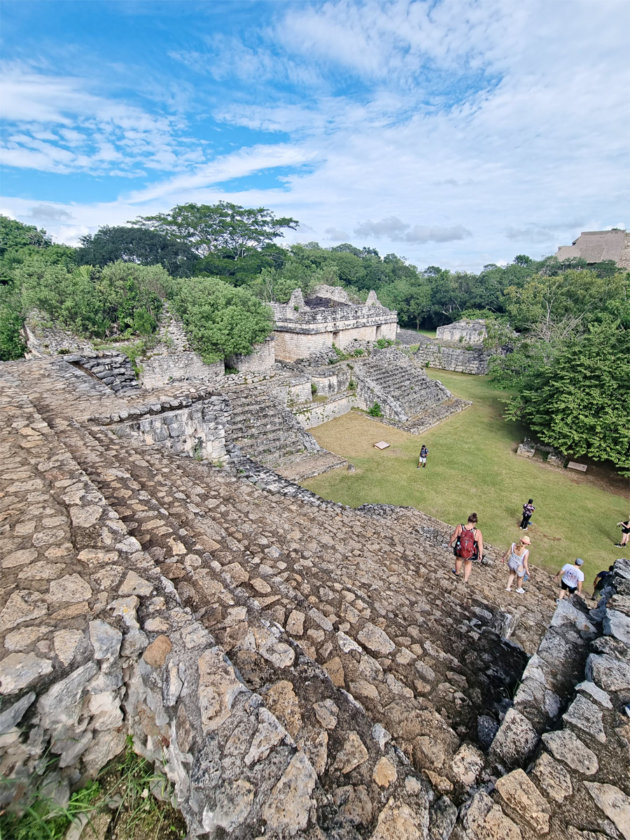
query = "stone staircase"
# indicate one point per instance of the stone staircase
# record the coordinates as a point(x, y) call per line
point(300, 667)
point(262, 428)
point(363, 596)
point(400, 387)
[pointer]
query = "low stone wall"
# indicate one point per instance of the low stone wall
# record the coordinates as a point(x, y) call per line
point(465, 331)
point(44, 339)
point(195, 429)
point(322, 412)
point(161, 369)
point(447, 357)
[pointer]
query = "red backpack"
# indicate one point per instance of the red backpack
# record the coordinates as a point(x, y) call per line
point(466, 543)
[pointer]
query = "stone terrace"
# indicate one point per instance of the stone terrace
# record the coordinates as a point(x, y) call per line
point(299, 667)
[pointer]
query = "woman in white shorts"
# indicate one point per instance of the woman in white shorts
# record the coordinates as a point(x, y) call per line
point(517, 556)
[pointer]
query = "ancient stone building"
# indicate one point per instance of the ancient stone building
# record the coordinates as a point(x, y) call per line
point(457, 346)
point(328, 317)
point(596, 246)
point(295, 667)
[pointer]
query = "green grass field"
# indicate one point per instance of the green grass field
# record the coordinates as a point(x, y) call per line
point(473, 465)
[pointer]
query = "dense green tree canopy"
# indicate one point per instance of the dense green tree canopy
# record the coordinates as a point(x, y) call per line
point(221, 320)
point(225, 229)
point(136, 245)
point(579, 400)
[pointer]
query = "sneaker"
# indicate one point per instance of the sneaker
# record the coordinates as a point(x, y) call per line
point(455, 573)
point(508, 588)
point(520, 590)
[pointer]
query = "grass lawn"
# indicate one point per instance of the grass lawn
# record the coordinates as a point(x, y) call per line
point(473, 465)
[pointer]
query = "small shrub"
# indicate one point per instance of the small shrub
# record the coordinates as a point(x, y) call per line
point(352, 385)
point(375, 411)
point(382, 343)
point(313, 389)
point(358, 352)
point(230, 371)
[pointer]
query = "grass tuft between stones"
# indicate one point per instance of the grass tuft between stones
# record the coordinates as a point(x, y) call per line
point(128, 800)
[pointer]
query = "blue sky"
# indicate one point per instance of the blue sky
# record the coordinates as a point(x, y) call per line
point(451, 132)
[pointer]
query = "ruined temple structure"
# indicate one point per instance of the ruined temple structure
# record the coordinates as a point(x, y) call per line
point(328, 317)
point(597, 246)
point(457, 346)
point(296, 668)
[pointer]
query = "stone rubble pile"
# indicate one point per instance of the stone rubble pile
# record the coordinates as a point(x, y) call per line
point(297, 667)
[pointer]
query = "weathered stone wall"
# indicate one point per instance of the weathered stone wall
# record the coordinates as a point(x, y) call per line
point(303, 342)
point(44, 339)
point(463, 332)
point(196, 429)
point(436, 355)
point(318, 412)
point(262, 358)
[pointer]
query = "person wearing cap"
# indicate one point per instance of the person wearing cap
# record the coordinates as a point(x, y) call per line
point(572, 578)
point(517, 556)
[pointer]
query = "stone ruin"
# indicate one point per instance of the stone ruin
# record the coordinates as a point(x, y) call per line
point(457, 346)
point(326, 318)
point(597, 246)
point(296, 667)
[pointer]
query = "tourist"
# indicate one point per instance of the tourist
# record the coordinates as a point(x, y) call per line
point(528, 510)
point(601, 579)
point(422, 458)
point(572, 578)
point(468, 542)
point(625, 532)
point(517, 557)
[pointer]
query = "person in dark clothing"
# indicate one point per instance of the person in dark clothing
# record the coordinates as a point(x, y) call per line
point(601, 579)
point(422, 457)
point(625, 532)
point(528, 510)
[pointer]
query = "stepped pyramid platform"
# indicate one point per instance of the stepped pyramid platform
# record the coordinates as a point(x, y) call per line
point(297, 667)
point(407, 396)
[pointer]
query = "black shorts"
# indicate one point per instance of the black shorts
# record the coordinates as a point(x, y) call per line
point(570, 589)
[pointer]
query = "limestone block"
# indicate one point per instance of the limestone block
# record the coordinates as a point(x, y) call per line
point(133, 584)
point(61, 705)
point(614, 803)
point(326, 712)
point(566, 747)
point(288, 806)
point(353, 804)
point(155, 654)
point(467, 764)
point(587, 716)
point(218, 688)
point(553, 777)
point(282, 701)
point(69, 589)
point(233, 803)
point(516, 738)
point(267, 736)
point(21, 670)
point(105, 639)
point(22, 606)
point(519, 793)
point(67, 643)
point(486, 821)
point(399, 820)
point(295, 623)
point(384, 773)
point(375, 639)
point(10, 717)
point(352, 754)
point(609, 673)
point(618, 625)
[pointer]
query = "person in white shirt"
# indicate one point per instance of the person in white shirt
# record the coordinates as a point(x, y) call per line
point(571, 578)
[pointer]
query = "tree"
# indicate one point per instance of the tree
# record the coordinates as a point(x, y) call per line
point(220, 319)
point(579, 401)
point(226, 229)
point(136, 245)
point(14, 234)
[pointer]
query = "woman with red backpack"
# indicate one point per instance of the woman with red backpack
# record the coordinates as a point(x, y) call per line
point(468, 542)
